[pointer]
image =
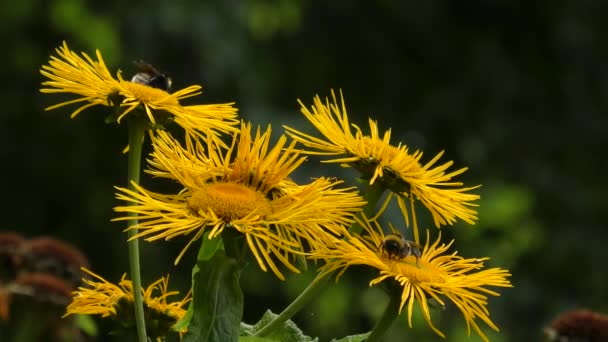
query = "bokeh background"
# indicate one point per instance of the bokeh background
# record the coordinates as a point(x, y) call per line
point(514, 90)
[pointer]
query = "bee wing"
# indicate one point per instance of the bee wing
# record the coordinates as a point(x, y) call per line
point(147, 68)
point(414, 245)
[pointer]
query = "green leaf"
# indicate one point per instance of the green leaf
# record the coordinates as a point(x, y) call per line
point(209, 247)
point(185, 321)
point(255, 339)
point(205, 252)
point(217, 304)
point(87, 324)
point(353, 338)
point(289, 331)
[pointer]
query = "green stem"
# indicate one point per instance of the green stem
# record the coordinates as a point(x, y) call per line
point(311, 291)
point(137, 129)
point(230, 238)
point(372, 195)
point(390, 313)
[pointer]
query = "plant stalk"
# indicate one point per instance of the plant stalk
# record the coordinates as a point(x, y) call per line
point(310, 292)
point(372, 196)
point(137, 129)
point(388, 317)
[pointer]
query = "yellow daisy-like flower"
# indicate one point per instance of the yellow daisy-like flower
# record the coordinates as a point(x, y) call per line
point(94, 85)
point(100, 297)
point(245, 187)
point(434, 275)
point(394, 165)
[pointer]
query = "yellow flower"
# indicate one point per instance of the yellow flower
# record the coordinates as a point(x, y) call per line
point(100, 297)
point(94, 85)
point(246, 188)
point(435, 275)
point(394, 165)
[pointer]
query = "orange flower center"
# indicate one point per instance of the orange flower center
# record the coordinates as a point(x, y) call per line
point(143, 93)
point(426, 273)
point(379, 145)
point(230, 201)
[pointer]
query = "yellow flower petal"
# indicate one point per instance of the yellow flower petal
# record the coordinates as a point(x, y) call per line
point(101, 297)
point(93, 84)
point(243, 187)
point(395, 166)
point(437, 275)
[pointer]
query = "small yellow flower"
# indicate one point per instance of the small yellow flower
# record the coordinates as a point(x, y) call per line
point(94, 85)
point(100, 297)
point(435, 275)
point(245, 187)
point(394, 165)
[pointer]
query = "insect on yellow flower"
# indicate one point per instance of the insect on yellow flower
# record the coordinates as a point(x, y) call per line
point(246, 188)
point(435, 273)
point(93, 84)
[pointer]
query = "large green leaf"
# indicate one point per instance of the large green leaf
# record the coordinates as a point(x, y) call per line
point(209, 247)
point(352, 338)
point(289, 331)
point(255, 339)
point(206, 252)
point(185, 321)
point(217, 304)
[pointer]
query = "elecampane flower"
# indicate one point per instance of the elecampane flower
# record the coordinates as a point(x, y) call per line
point(244, 187)
point(395, 166)
point(436, 274)
point(92, 82)
point(100, 297)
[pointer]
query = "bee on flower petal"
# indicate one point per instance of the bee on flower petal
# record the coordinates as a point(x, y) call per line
point(150, 76)
point(395, 247)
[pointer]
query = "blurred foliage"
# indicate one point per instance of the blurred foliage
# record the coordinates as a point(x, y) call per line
point(516, 91)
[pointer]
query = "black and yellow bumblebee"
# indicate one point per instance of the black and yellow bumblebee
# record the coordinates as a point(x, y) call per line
point(395, 247)
point(150, 76)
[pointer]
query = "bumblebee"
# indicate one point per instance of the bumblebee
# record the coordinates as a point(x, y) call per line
point(150, 76)
point(395, 247)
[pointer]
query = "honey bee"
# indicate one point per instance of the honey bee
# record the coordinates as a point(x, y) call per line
point(150, 76)
point(395, 247)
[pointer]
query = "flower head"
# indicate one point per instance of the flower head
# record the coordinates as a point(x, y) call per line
point(578, 325)
point(92, 82)
point(394, 165)
point(100, 297)
point(434, 274)
point(246, 188)
point(35, 287)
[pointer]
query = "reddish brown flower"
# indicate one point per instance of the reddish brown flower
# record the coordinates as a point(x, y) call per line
point(48, 255)
point(42, 287)
point(579, 325)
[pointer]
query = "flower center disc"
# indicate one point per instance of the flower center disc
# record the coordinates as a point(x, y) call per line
point(425, 274)
point(387, 151)
point(230, 201)
point(144, 93)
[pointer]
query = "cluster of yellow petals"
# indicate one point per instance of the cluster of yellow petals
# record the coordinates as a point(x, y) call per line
point(246, 186)
point(92, 82)
point(437, 275)
point(395, 166)
point(101, 297)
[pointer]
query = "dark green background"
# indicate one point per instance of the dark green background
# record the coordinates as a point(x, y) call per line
point(515, 90)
